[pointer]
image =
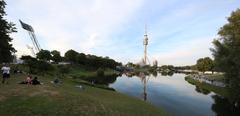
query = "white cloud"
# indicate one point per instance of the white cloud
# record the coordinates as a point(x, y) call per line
point(185, 53)
point(81, 25)
point(112, 28)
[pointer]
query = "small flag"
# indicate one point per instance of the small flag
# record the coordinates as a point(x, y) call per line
point(26, 26)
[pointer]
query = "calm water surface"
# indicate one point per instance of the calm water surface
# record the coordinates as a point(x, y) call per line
point(171, 93)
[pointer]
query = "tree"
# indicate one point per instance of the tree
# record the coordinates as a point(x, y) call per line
point(100, 72)
point(205, 64)
point(71, 56)
point(208, 64)
point(92, 61)
point(43, 67)
point(35, 66)
point(6, 28)
point(226, 52)
point(226, 49)
point(30, 62)
point(56, 57)
point(81, 58)
point(63, 69)
point(130, 64)
point(200, 65)
point(44, 55)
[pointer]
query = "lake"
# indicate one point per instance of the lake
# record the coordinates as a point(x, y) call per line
point(171, 93)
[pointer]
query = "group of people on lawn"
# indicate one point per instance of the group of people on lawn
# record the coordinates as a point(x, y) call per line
point(6, 75)
point(30, 81)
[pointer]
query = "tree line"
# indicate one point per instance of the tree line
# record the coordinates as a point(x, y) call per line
point(73, 57)
point(226, 54)
point(90, 60)
point(226, 50)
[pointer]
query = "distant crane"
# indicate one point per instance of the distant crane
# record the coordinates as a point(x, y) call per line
point(32, 35)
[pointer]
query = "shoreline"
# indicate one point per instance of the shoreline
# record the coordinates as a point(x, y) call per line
point(212, 79)
point(61, 97)
point(222, 91)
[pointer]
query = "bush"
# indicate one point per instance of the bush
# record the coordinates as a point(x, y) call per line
point(43, 67)
point(35, 66)
point(100, 72)
point(63, 69)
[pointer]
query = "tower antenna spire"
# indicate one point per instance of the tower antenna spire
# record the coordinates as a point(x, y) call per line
point(145, 29)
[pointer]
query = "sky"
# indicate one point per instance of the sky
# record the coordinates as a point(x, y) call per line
point(179, 31)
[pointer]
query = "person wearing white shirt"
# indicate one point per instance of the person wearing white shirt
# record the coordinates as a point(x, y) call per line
point(5, 73)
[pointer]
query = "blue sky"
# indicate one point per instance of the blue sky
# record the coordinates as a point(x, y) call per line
point(179, 31)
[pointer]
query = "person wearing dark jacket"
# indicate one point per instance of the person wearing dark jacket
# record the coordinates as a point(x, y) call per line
point(35, 81)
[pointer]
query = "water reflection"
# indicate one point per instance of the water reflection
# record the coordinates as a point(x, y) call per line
point(155, 73)
point(167, 92)
point(169, 73)
point(144, 77)
point(222, 106)
point(233, 78)
point(172, 93)
point(144, 80)
point(202, 90)
point(105, 80)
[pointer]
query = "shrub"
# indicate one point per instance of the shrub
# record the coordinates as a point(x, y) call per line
point(100, 72)
point(43, 67)
point(63, 69)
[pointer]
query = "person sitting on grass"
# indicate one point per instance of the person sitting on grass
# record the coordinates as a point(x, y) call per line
point(56, 81)
point(27, 81)
point(35, 81)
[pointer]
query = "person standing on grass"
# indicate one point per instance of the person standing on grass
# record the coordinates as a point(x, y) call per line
point(5, 73)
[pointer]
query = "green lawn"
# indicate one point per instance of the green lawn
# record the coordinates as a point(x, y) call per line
point(67, 100)
point(217, 77)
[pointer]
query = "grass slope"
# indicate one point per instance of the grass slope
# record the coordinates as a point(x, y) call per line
point(67, 100)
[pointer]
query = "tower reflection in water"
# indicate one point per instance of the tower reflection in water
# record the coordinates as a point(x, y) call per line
point(144, 80)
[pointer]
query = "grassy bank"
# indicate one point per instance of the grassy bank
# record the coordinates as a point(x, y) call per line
point(216, 77)
point(66, 99)
point(218, 90)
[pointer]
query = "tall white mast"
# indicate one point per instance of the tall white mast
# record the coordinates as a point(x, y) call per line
point(145, 43)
